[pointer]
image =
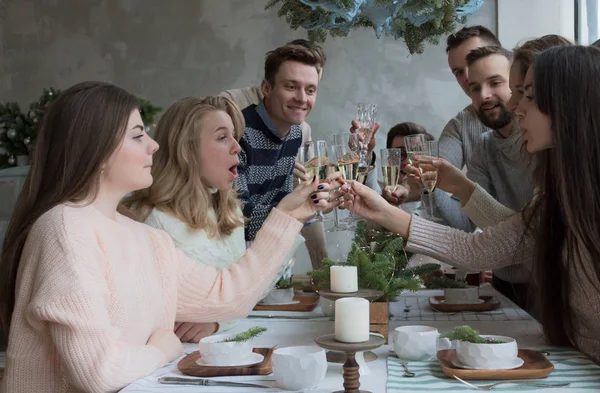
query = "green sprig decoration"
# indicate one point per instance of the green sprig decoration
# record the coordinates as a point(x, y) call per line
point(382, 267)
point(247, 335)
point(148, 111)
point(286, 284)
point(445, 282)
point(468, 334)
point(444, 20)
point(18, 130)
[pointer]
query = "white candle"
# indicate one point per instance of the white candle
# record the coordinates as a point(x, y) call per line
point(344, 279)
point(352, 320)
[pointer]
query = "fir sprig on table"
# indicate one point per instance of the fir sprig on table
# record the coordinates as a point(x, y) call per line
point(381, 263)
point(247, 335)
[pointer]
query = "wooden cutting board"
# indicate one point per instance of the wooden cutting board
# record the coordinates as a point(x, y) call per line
point(188, 366)
point(306, 303)
point(536, 366)
point(489, 303)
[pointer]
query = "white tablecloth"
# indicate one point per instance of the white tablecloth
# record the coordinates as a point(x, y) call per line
point(291, 332)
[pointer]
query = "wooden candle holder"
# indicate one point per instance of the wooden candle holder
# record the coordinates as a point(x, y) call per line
point(351, 374)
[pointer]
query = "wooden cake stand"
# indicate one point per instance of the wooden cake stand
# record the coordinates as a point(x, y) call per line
point(369, 294)
point(351, 375)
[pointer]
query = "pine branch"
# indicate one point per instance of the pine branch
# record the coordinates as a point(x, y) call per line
point(247, 335)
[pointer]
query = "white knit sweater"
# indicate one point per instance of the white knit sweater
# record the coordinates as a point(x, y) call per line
point(217, 252)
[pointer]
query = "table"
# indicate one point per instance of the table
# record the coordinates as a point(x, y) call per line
point(289, 332)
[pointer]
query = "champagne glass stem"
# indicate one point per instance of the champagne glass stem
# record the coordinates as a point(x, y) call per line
point(430, 205)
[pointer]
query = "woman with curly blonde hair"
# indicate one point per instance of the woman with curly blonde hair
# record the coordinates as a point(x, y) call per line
point(192, 198)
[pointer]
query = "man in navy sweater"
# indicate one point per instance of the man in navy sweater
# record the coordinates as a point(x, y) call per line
point(273, 134)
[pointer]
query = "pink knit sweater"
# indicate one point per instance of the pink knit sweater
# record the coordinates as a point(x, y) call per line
point(91, 291)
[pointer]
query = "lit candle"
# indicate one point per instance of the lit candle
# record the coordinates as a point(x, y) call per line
point(352, 320)
point(344, 279)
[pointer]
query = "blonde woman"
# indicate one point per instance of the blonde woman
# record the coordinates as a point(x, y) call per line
point(192, 197)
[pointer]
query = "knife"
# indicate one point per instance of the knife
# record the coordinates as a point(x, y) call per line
point(207, 382)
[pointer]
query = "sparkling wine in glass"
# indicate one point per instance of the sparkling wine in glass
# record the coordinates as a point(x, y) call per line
point(429, 171)
point(414, 144)
point(337, 154)
point(391, 160)
point(350, 162)
point(314, 157)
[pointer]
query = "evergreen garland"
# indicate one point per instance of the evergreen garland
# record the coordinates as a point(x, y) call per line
point(382, 267)
point(411, 22)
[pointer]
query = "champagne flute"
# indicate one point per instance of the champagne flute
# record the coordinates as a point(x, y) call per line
point(314, 157)
point(336, 156)
point(414, 144)
point(367, 114)
point(350, 163)
point(429, 171)
point(391, 160)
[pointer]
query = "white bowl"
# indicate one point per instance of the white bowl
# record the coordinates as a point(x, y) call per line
point(488, 356)
point(415, 342)
point(217, 353)
point(297, 368)
point(468, 295)
point(279, 296)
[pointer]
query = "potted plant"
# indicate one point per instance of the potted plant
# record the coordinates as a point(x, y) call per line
point(382, 264)
point(482, 351)
point(455, 292)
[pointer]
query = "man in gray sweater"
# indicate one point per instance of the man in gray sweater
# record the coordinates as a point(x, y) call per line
point(462, 133)
point(496, 163)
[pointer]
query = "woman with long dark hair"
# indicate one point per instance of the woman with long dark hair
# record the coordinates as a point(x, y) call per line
point(90, 295)
point(558, 233)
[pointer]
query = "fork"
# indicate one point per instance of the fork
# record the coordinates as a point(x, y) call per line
point(521, 383)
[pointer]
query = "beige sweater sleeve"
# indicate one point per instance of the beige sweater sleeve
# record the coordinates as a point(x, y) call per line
point(484, 210)
point(207, 294)
point(497, 246)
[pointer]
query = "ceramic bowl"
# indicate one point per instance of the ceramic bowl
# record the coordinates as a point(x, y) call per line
point(468, 295)
point(216, 353)
point(279, 296)
point(487, 356)
point(415, 342)
point(297, 368)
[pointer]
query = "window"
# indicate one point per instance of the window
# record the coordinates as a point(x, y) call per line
point(586, 21)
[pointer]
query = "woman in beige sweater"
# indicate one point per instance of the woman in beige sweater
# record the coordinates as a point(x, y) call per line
point(558, 233)
point(90, 295)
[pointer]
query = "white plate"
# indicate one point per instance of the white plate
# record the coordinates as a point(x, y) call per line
point(280, 304)
point(515, 363)
point(255, 358)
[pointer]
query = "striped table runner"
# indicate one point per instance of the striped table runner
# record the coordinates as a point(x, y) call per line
point(569, 366)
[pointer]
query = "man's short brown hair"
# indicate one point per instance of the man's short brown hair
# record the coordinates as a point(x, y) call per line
point(301, 54)
point(485, 51)
point(455, 40)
